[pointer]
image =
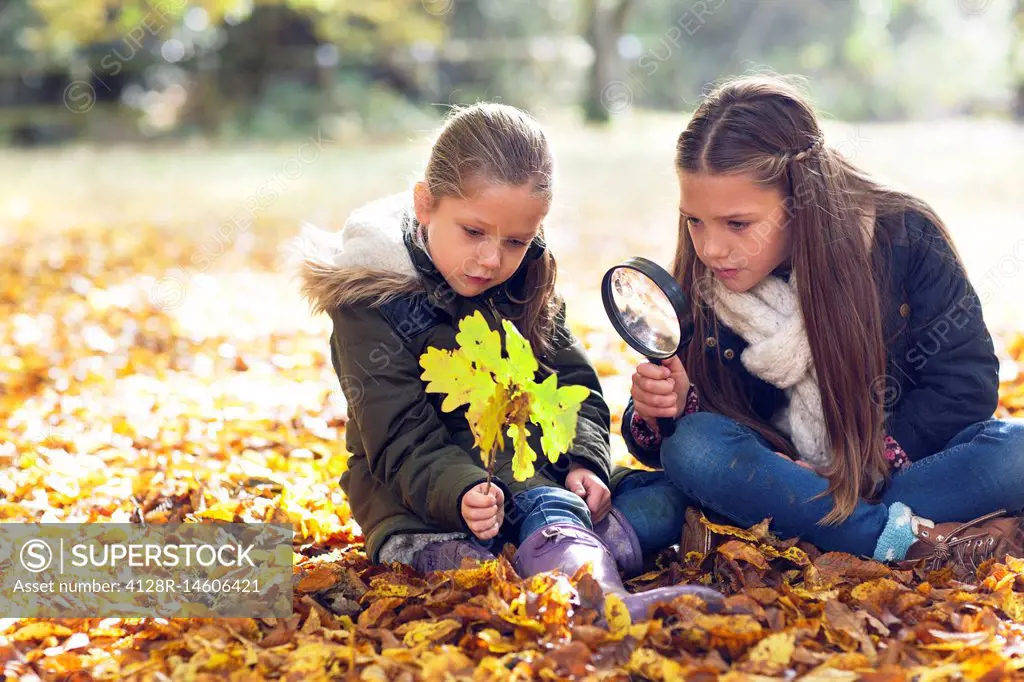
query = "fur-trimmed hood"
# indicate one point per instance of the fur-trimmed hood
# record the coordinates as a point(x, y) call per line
point(366, 261)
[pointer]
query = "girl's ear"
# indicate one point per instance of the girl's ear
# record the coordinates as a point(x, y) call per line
point(423, 202)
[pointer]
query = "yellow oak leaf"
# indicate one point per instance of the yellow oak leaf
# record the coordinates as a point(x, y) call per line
point(452, 372)
point(481, 344)
point(488, 424)
point(522, 365)
point(555, 409)
point(524, 456)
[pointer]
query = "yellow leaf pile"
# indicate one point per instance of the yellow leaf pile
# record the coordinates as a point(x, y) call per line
point(501, 394)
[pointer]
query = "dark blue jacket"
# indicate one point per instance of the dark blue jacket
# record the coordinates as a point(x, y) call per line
point(942, 372)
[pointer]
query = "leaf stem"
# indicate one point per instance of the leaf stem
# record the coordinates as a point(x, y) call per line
point(490, 473)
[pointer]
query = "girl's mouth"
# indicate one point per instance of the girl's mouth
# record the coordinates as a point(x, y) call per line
point(478, 280)
point(729, 273)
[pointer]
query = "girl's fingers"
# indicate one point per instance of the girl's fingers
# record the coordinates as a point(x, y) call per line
point(656, 386)
point(597, 498)
point(479, 527)
point(484, 536)
point(650, 411)
point(475, 514)
point(652, 371)
point(658, 413)
point(478, 500)
point(482, 529)
point(653, 399)
point(674, 365)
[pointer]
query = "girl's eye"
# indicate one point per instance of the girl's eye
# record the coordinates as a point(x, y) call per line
point(737, 225)
point(691, 221)
point(472, 231)
point(516, 243)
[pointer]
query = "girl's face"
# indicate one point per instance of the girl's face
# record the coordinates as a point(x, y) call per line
point(479, 242)
point(738, 227)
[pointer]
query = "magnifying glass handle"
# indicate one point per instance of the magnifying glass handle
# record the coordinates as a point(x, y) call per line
point(666, 425)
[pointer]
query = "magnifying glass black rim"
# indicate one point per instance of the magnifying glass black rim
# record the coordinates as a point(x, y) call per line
point(668, 286)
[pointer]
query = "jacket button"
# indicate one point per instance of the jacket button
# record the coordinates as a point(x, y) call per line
point(729, 353)
point(711, 342)
point(905, 310)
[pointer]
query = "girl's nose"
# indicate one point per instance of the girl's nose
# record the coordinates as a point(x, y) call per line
point(489, 256)
point(715, 249)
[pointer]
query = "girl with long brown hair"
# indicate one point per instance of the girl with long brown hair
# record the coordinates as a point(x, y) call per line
point(839, 376)
point(396, 280)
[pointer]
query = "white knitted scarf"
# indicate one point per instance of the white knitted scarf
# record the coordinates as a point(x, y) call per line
point(768, 317)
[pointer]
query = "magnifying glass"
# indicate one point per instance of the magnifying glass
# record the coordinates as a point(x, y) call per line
point(646, 306)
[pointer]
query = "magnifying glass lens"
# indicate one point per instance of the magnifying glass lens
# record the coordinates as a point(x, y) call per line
point(646, 306)
point(645, 313)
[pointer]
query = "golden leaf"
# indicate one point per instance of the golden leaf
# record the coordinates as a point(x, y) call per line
point(495, 643)
point(793, 554)
point(617, 616)
point(772, 654)
point(40, 630)
point(732, 531)
point(419, 632)
point(877, 595)
point(649, 664)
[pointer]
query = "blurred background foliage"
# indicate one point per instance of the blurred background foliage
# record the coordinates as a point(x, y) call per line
point(373, 69)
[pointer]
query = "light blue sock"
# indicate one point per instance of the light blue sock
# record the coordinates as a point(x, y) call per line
point(897, 536)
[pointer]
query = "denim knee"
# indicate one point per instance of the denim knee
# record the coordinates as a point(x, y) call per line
point(981, 470)
point(541, 506)
point(696, 445)
point(1007, 438)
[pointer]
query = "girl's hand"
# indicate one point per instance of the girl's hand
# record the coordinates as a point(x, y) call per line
point(592, 489)
point(484, 512)
point(660, 390)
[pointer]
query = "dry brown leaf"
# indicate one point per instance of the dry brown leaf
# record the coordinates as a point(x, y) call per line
point(741, 551)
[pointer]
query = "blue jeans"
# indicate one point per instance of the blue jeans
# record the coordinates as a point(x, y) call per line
point(649, 501)
point(729, 469)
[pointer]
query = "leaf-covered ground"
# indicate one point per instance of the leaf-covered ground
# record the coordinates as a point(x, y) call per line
point(135, 384)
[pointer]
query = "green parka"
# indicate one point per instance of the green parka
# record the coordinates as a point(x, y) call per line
point(412, 463)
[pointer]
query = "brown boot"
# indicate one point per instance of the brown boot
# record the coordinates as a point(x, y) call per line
point(697, 537)
point(964, 546)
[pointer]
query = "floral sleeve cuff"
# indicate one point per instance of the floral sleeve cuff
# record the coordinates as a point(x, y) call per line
point(692, 401)
point(648, 438)
point(643, 435)
point(895, 455)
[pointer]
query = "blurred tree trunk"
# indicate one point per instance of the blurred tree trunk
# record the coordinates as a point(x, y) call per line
point(1017, 61)
point(604, 28)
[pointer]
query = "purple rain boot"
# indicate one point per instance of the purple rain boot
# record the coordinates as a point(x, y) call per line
point(447, 555)
point(619, 537)
point(567, 547)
